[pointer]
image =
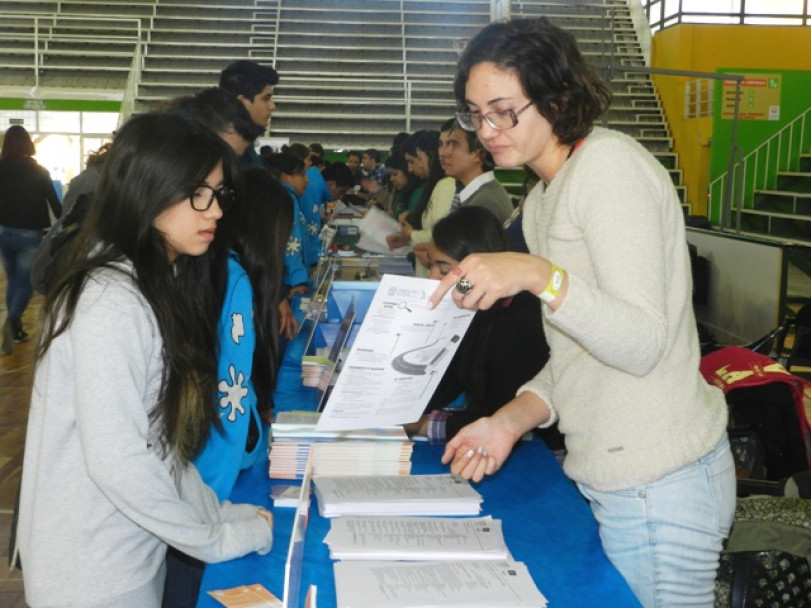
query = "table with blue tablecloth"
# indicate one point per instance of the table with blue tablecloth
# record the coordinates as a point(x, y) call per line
point(546, 523)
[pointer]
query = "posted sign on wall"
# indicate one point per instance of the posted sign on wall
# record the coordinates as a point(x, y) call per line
point(760, 98)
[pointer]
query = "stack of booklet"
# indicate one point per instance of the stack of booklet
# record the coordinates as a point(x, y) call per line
point(385, 451)
point(392, 558)
point(316, 370)
point(411, 495)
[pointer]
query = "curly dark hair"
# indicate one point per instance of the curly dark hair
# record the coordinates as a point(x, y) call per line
point(553, 73)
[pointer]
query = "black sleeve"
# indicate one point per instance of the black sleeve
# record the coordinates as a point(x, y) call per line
point(450, 387)
point(49, 192)
point(515, 350)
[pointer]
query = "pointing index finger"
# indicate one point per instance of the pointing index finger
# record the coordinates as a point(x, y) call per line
point(445, 285)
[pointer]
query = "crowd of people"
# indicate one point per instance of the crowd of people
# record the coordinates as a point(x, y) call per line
point(167, 286)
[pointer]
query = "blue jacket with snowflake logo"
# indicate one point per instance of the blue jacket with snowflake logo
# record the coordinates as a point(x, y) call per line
point(224, 455)
point(295, 268)
point(312, 206)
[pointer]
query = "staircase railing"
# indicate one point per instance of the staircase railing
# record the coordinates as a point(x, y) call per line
point(758, 169)
point(43, 34)
point(133, 80)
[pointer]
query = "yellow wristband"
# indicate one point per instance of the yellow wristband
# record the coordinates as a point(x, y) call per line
point(552, 290)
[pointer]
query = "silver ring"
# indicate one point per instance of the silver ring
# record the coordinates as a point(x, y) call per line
point(464, 286)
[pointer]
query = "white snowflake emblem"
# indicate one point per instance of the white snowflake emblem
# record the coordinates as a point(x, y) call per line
point(234, 393)
point(312, 228)
point(237, 327)
point(293, 246)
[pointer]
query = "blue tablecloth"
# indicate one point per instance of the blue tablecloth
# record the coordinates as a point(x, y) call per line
point(546, 523)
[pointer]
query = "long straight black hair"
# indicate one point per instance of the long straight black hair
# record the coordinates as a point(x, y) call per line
point(156, 161)
point(428, 142)
point(257, 229)
point(462, 232)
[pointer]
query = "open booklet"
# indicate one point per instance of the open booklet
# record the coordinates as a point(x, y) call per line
point(400, 354)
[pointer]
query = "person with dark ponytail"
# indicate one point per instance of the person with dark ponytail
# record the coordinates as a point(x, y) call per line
point(504, 346)
point(255, 232)
point(126, 372)
point(291, 172)
point(406, 189)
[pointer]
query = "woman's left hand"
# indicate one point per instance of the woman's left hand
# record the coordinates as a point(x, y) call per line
point(422, 252)
point(287, 320)
point(492, 276)
point(396, 240)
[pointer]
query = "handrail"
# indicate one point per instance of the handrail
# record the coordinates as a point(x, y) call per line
point(45, 24)
point(758, 169)
point(133, 80)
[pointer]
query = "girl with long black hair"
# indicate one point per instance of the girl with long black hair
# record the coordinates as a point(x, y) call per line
point(422, 154)
point(123, 390)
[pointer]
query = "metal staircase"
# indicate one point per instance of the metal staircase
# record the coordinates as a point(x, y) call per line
point(771, 186)
point(605, 34)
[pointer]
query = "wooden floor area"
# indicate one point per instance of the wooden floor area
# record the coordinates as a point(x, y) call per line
point(15, 392)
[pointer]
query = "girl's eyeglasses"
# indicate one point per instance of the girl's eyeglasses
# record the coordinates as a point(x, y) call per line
point(500, 121)
point(203, 197)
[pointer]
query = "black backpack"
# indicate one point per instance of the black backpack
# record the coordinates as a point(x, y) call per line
point(764, 432)
point(52, 249)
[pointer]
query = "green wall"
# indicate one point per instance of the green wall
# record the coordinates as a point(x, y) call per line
point(60, 105)
point(794, 99)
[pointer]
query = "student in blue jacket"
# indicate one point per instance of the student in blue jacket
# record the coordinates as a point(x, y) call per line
point(290, 171)
point(256, 231)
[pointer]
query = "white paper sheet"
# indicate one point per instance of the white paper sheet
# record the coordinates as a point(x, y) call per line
point(398, 357)
point(385, 495)
point(375, 226)
point(435, 585)
point(416, 538)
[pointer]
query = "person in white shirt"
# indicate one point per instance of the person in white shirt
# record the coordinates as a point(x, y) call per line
point(463, 157)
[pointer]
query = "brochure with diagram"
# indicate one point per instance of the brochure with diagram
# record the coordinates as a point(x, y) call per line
point(400, 354)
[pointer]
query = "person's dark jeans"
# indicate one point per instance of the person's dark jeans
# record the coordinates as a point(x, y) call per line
point(18, 247)
point(184, 575)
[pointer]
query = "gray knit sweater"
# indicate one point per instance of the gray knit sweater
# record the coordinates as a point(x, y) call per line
point(98, 503)
point(623, 374)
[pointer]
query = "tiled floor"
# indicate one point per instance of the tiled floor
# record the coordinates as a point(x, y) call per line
point(15, 390)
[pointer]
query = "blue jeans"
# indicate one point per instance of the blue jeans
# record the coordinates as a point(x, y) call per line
point(665, 537)
point(17, 248)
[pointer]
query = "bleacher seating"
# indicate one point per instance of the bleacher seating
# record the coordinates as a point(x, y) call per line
point(605, 32)
point(382, 66)
point(66, 44)
point(188, 43)
point(353, 72)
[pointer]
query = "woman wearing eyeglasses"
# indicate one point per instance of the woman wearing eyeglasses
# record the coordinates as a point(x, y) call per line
point(645, 433)
point(127, 365)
